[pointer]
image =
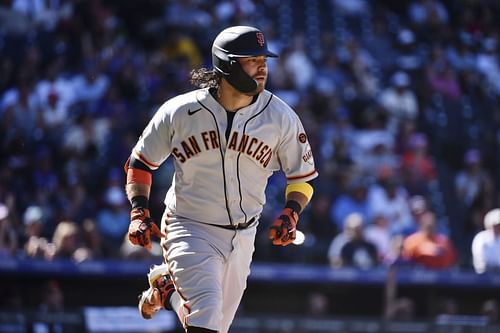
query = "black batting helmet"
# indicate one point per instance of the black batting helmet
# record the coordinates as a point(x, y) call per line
point(238, 42)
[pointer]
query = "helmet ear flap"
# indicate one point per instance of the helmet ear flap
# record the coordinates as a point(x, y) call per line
point(239, 79)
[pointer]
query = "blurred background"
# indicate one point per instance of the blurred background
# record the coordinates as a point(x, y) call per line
point(400, 99)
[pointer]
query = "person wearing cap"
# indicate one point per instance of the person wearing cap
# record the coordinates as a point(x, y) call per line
point(226, 139)
point(486, 244)
point(358, 251)
point(350, 223)
point(35, 244)
point(399, 101)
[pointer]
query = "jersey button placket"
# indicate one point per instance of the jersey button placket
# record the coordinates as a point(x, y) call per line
point(232, 187)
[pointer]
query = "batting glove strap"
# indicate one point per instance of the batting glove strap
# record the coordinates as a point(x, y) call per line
point(283, 230)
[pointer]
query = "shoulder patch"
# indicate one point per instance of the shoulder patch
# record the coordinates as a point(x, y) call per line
point(302, 138)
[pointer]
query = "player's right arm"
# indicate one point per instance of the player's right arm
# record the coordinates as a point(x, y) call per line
point(138, 188)
point(150, 151)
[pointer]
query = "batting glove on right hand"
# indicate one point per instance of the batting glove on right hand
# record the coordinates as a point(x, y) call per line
point(141, 227)
point(282, 231)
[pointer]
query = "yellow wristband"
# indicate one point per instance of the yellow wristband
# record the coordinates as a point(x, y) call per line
point(304, 188)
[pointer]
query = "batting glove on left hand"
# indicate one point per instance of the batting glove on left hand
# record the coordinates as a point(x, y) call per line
point(141, 227)
point(282, 231)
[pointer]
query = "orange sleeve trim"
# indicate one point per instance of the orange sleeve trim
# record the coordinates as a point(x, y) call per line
point(138, 176)
point(302, 176)
point(125, 166)
point(145, 161)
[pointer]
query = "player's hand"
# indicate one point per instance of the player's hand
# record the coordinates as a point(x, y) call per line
point(282, 231)
point(141, 227)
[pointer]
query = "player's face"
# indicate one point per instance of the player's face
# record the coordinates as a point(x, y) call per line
point(256, 67)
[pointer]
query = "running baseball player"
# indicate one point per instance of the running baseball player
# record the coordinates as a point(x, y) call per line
point(226, 139)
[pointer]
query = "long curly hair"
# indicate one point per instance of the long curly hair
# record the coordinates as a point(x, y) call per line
point(204, 78)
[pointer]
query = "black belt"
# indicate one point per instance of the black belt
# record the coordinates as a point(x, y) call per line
point(240, 226)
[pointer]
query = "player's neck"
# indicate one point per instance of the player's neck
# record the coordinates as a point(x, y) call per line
point(231, 99)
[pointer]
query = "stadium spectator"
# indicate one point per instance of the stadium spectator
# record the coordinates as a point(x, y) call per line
point(372, 144)
point(66, 242)
point(379, 42)
point(354, 200)
point(441, 76)
point(428, 13)
point(473, 185)
point(472, 178)
point(388, 198)
point(399, 101)
point(429, 248)
point(113, 218)
point(487, 62)
point(352, 221)
point(35, 243)
point(359, 252)
point(408, 57)
point(8, 237)
point(54, 114)
point(486, 244)
point(91, 85)
point(417, 166)
point(298, 57)
point(418, 207)
point(379, 154)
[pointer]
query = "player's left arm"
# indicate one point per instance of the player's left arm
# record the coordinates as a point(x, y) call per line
point(296, 160)
point(284, 228)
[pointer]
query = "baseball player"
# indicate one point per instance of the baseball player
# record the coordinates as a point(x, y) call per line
point(226, 139)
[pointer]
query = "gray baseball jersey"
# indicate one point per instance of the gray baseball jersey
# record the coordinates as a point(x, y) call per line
point(221, 181)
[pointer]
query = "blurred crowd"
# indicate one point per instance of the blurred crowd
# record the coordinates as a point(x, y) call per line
point(399, 98)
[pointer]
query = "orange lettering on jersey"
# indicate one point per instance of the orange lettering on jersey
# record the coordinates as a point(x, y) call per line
point(187, 150)
point(206, 139)
point(266, 158)
point(178, 155)
point(252, 142)
point(195, 145)
point(233, 141)
point(258, 148)
point(262, 152)
point(214, 139)
point(243, 143)
point(307, 157)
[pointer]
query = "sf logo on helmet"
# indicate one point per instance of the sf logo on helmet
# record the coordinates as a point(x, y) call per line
point(260, 38)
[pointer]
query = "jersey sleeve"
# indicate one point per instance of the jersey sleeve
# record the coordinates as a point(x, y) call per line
point(295, 153)
point(154, 144)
